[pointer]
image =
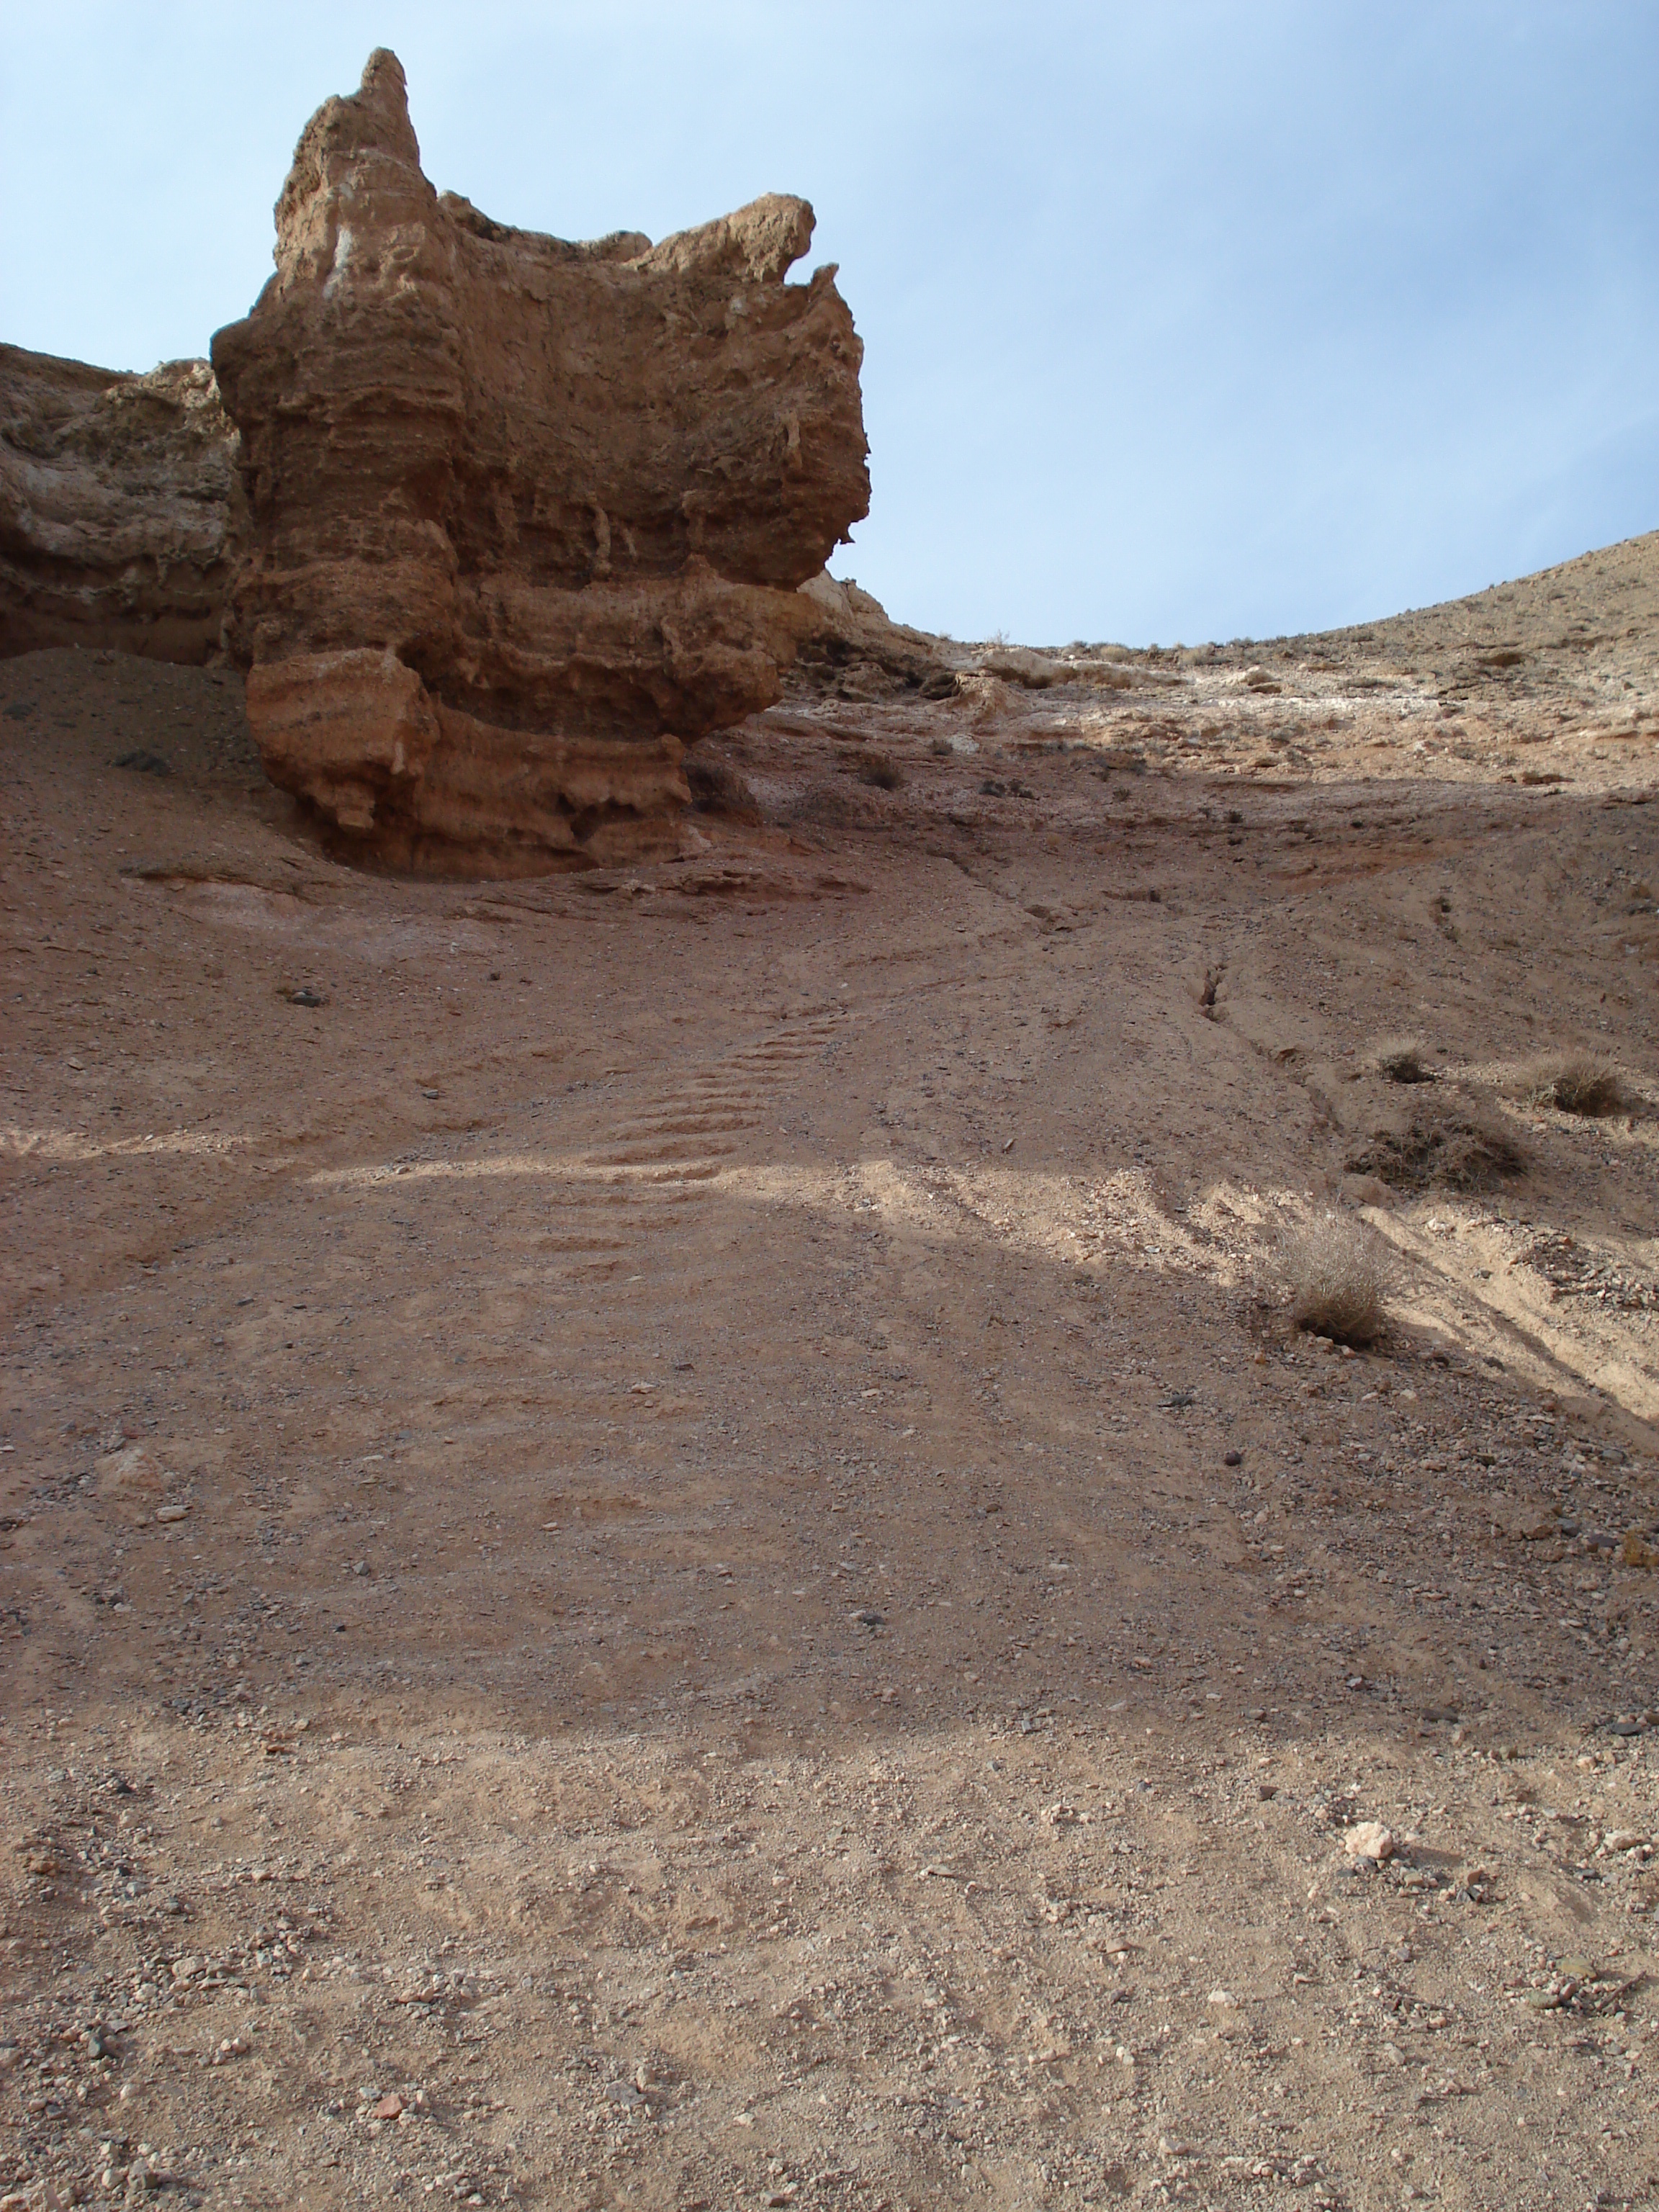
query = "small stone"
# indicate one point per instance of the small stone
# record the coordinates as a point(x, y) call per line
point(390, 2107)
point(1623, 1839)
point(1367, 1839)
point(172, 1512)
point(1535, 1524)
point(1232, 1459)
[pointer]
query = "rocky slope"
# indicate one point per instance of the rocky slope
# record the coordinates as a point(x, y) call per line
point(664, 1539)
point(529, 517)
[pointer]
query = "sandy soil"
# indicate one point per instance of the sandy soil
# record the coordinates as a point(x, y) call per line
point(663, 1541)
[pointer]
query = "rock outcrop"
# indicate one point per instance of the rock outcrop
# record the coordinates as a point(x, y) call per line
point(529, 517)
point(122, 516)
point(855, 650)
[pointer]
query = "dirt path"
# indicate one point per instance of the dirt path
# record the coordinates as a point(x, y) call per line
point(674, 1551)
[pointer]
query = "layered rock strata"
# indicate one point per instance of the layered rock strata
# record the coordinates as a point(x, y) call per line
point(122, 514)
point(529, 518)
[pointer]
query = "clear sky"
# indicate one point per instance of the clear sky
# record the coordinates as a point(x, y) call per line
point(1183, 320)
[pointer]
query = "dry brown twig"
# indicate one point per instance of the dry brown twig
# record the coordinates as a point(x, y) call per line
point(1447, 1144)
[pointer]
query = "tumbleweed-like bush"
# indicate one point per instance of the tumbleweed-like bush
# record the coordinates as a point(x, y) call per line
point(1338, 1277)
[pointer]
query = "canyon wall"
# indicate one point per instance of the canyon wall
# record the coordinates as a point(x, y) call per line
point(122, 514)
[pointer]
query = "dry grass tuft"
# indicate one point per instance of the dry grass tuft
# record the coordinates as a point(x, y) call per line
point(1339, 1277)
point(1403, 1059)
point(1454, 1146)
point(881, 772)
point(1578, 1085)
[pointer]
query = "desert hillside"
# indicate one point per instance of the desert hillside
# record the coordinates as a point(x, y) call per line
point(666, 1537)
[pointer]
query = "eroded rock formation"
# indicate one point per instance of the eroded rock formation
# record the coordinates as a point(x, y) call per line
point(529, 517)
point(855, 651)
point(122, 516)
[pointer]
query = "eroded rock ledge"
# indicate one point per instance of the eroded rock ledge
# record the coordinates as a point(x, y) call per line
point(121, 509)
point(529, 518)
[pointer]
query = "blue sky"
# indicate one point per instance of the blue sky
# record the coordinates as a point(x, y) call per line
point(1182, 320)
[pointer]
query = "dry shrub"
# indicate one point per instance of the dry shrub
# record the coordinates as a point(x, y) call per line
point(717, 788)
point(1450, 1147)
point(1402, 1060)
point(1339, 1278)
point(883, 772)
point(1578, 1085)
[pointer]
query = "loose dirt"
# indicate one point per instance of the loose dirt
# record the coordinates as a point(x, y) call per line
point(662, 1538)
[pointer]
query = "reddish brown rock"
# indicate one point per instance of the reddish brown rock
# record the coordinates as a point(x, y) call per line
point(529, 517)
point(121, 507)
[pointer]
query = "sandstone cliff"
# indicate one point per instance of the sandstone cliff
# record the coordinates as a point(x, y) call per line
point(528, 517)
point(121, 508)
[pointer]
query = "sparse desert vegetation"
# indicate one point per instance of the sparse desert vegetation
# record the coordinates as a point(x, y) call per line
point(881, 773)
point(1338, 1272)
point(1579, 1082)
point(1454, 1143)
point(1402, 1060)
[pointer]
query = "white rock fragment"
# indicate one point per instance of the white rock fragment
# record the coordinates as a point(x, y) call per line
point(1367, 1839)
point(1624, 1839)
